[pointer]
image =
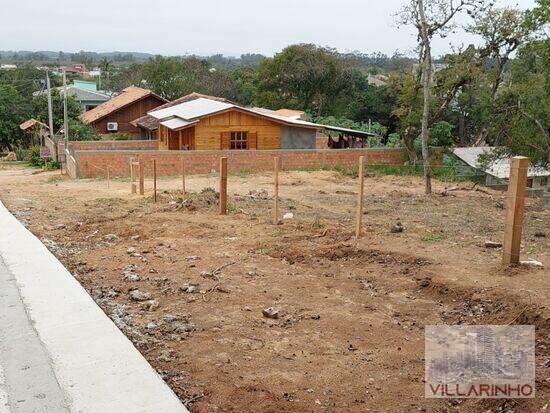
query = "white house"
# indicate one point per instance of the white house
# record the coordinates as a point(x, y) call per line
point(498, 172)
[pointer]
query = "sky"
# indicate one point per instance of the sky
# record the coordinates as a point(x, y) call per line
point(205, 27)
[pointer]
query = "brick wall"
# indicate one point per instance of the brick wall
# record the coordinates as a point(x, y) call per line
point(113, 145)
point(94, 163)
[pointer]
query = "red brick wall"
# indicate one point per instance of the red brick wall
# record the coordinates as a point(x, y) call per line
point(113, 145)
point(95, 163)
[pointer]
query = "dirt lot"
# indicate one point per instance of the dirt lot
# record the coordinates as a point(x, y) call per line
point(188, 286)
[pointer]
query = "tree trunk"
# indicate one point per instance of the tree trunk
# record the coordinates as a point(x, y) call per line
point(426, 83)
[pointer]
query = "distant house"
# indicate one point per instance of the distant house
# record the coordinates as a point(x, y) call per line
point(8, 67)
point(116, 114)
point(77, 69)
point(85, 93)
point(498, 172)
point(199, 122)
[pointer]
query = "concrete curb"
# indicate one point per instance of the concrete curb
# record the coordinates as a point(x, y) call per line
point(97, 367)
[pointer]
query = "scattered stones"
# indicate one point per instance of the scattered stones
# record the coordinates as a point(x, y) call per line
point(131, 251)
point(130, 274)
point(270, 312)
point(288, 215)
point(138, 295)
point(397, 228)
point(493, 244)
point(151, 326)
point(51, 245)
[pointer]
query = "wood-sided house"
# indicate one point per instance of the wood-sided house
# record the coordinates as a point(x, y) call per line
point(117, 113)
point(198, 122)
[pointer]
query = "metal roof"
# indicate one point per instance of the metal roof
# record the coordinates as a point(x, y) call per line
point(193, 109)
point(176, 123)
point(499, 168)
point(204, 106)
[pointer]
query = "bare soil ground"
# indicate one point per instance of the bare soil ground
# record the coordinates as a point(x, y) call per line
point(188, 286)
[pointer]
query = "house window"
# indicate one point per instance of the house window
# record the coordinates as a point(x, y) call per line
point(239, 140)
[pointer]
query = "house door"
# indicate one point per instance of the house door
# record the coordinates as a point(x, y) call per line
point(173, 141)
point(187, 138)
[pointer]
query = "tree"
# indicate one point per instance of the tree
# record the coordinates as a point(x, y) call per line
point(14, 110)
point(39, 109)
point(431, 18)
point(304, 76)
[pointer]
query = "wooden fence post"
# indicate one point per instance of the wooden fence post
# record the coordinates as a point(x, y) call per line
point(183, 175)
point(154, 180)
point(223, 186)
point(141, 178)
point(360, 197)
point(133, 188)
point(515, 205)
point(276, 176)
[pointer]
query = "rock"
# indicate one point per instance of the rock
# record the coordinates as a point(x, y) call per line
point(288, 215)
point(137, 295)
point(169, 318)
point(60, 226)
point(247, 308)
point(110, 237)
point(130, 274)
point(184, 327)
point(270, 312)
point(532, 263)
point(397, 228)
point(540, 234)
point(493, 244)
point(193, 258)
point(315, 317)
point(131, 250)
point(189, 288)
point(151, 305)
point(134, 237)
point(424, 282)
point(151, 326)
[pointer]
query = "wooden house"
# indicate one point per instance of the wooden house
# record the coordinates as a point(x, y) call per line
point(206, 123)
point(116, 114)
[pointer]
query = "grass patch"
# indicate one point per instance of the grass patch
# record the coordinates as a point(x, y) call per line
point(54, 179)
point(437, 237)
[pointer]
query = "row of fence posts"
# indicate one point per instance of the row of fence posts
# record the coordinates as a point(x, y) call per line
point(514, 211)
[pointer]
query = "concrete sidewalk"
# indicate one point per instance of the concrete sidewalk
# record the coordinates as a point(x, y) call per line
point(58, 351)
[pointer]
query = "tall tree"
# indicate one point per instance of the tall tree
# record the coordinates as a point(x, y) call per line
point(431, 18)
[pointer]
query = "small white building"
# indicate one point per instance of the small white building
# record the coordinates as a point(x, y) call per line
point(498, 172)
point(8, 67)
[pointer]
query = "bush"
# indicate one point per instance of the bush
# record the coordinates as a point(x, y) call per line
point(22, 154)
point(120, 136)
point(33, 156)
point(80, 132)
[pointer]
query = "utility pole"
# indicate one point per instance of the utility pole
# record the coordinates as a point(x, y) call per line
point(50, 110)
point(65, 115)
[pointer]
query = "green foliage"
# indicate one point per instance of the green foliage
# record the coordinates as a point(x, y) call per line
point(120, 136)
point(394, 141)
point(442, 134)
point(40, 109)
point(33, 156)
point(81, 132)
point(14, 110)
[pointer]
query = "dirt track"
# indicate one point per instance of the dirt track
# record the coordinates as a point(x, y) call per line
point(350, 332)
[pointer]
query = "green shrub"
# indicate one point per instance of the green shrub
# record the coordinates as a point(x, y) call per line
point(22, 154)
point(80, 132)
point(120, 136)
point(33, 157)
